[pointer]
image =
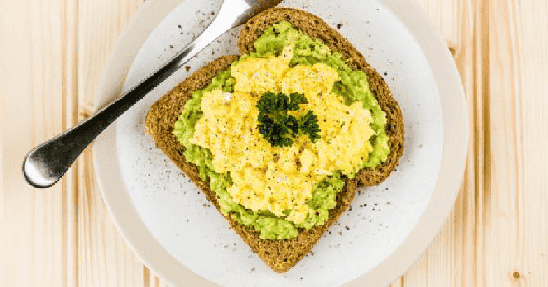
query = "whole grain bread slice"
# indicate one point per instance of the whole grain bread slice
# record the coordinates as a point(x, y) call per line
point(280, 255)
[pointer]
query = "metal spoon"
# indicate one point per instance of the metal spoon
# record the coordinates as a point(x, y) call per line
point(46, 164)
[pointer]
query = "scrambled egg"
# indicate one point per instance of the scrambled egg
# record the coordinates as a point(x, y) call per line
point(281, 180)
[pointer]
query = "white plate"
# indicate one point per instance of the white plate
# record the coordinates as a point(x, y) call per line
point(169, 223)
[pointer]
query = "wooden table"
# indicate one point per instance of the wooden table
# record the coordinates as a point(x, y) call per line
point(52, 53)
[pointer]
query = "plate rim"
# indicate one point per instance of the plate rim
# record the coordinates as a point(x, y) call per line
point(454, 148)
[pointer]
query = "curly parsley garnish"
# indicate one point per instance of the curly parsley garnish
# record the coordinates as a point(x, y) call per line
point(308, 124)
point(277, 126)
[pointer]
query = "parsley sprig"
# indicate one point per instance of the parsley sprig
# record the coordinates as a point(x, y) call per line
point(309, 125)
point(280, 128)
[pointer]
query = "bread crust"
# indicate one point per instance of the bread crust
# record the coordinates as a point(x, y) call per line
point(279, 255)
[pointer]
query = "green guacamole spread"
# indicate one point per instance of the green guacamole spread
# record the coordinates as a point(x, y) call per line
point(353, 86)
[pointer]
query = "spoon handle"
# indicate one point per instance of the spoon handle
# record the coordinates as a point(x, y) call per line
point(46, 164)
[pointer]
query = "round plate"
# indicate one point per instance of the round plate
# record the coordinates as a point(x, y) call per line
point(177, 233)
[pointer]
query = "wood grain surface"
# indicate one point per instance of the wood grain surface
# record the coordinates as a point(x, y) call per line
point(52, 54)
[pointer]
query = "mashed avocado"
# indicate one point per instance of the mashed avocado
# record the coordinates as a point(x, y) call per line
point(353, 86)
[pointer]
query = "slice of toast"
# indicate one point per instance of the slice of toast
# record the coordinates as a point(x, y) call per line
point(280, 255)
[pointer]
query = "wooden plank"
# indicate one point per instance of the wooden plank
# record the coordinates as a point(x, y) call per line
point(17, 255)
point(69, 197)
point(104, 257)
point(466, 220)
point(2, 170)
point(40, 223)
point(417, 275)
point(516, 202)
point(101, 23)
point(399, 282)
